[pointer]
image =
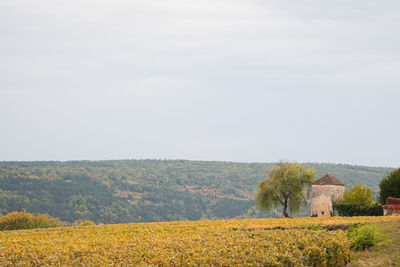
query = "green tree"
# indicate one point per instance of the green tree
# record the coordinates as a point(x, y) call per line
point(358, 195)
point(285, 186)
point(390, 186)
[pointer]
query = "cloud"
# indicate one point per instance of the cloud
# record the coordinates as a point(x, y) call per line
point(229, 80)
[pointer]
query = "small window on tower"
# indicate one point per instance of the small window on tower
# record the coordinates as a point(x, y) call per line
point(322, 212)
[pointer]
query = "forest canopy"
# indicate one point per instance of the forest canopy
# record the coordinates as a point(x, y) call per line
point(148, 190)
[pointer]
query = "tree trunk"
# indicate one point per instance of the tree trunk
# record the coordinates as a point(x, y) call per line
point(285, 206)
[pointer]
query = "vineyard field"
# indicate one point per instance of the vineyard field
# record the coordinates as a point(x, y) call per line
point(219, 242)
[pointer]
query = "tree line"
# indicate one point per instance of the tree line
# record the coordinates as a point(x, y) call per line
point(148, 190)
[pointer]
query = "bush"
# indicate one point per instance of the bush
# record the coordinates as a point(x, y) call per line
point(351, 210)
point(24, 220)
point(362, 237)
point(87, 223)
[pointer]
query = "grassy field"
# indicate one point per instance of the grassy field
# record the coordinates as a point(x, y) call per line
point(302, 242)
point(386, 253)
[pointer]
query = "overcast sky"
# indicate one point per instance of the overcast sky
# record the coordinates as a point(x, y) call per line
point(253, 81)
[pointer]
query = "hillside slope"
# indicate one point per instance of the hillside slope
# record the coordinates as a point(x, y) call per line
point(148, 190)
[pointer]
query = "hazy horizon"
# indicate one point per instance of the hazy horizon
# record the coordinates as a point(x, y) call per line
point(253, 81)
point(201, 160)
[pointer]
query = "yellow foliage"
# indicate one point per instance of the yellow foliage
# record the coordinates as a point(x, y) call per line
point(359, 195)
point(24, 220)
point(219, 243)
point(85, 223)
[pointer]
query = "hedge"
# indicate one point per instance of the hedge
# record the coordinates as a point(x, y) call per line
point(358, 209)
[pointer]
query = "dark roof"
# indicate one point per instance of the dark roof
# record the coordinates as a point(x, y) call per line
point(328, 179)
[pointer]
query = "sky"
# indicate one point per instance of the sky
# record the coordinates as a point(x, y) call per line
point(248, 81)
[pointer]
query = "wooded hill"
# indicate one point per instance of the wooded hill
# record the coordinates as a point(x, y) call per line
point(148, 190)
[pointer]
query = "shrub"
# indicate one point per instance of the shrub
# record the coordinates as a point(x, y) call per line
point(351, 210)
point(87, 223)
point(24, 220)
point(362, 237)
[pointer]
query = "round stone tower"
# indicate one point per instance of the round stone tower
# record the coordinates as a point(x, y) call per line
point(323, 191)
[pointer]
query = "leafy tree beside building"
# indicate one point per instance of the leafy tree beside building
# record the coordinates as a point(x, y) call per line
point(358, 195)
point(358, 201)
point(285, 187)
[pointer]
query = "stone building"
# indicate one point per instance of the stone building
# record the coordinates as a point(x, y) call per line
point(323, 191)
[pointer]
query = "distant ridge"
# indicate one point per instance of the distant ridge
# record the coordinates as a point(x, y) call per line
point(122, 191)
